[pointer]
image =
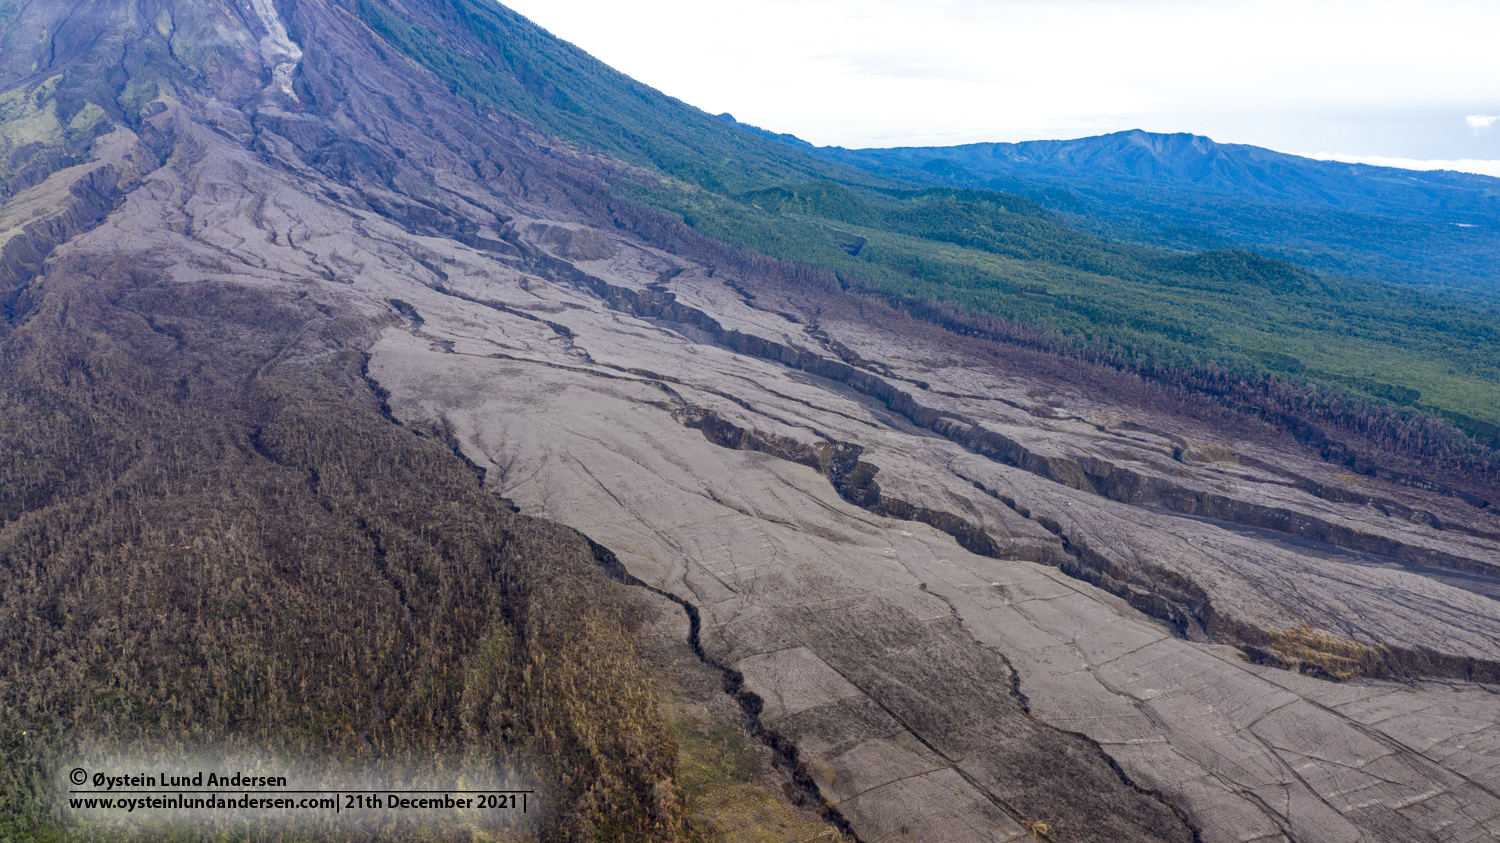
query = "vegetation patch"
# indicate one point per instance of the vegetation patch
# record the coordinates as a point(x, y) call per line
point(728, 781)
point(215, 541)
point(1318, 653)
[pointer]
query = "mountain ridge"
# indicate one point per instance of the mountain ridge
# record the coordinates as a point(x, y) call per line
point(510, 63)
point(362, 423)
point(1183, 159)
point(1308, 211)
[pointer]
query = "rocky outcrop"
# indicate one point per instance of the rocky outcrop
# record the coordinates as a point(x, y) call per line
point(67, 205)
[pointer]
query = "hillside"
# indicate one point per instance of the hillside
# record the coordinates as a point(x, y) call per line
point(395, 396)
point(491, 55)
point(1093, 276)
point(1188, 192)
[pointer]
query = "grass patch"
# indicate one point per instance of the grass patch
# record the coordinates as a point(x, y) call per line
point(1312, 651)
point(714, 758)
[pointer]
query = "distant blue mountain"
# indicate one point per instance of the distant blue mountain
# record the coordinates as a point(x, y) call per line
point(1188, 192)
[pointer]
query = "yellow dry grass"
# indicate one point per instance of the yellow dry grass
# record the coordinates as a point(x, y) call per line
point(733, 791)
point(1040, 829)
point(754, 813)
point(1339, 658)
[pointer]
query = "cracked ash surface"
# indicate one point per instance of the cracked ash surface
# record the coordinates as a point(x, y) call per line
point(904, 664)
point(972, 587)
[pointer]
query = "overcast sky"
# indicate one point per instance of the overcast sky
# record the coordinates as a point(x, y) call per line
point(1378, 81)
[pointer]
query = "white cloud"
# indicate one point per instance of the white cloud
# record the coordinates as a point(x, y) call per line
point(1479, 121)
point(1278, 73)
point(1465, 165)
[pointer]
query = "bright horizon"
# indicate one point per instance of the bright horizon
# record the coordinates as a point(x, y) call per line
point(1401, 83)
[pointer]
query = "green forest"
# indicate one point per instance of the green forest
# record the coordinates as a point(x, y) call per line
point(1006, 257)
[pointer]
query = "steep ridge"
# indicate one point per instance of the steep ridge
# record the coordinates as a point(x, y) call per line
point(873, 520)
point(488, 53)
point(212, 538)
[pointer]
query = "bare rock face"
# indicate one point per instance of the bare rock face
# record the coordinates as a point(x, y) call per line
point(972, 588)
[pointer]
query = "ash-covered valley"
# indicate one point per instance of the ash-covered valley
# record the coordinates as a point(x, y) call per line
point(295, 335)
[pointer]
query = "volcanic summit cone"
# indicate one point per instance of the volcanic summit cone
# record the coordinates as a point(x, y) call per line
point(358, 408)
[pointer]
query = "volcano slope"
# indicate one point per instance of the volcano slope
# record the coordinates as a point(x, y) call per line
point(269, 286)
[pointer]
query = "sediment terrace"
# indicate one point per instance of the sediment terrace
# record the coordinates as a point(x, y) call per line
point(880, 561)
point(973, 587)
